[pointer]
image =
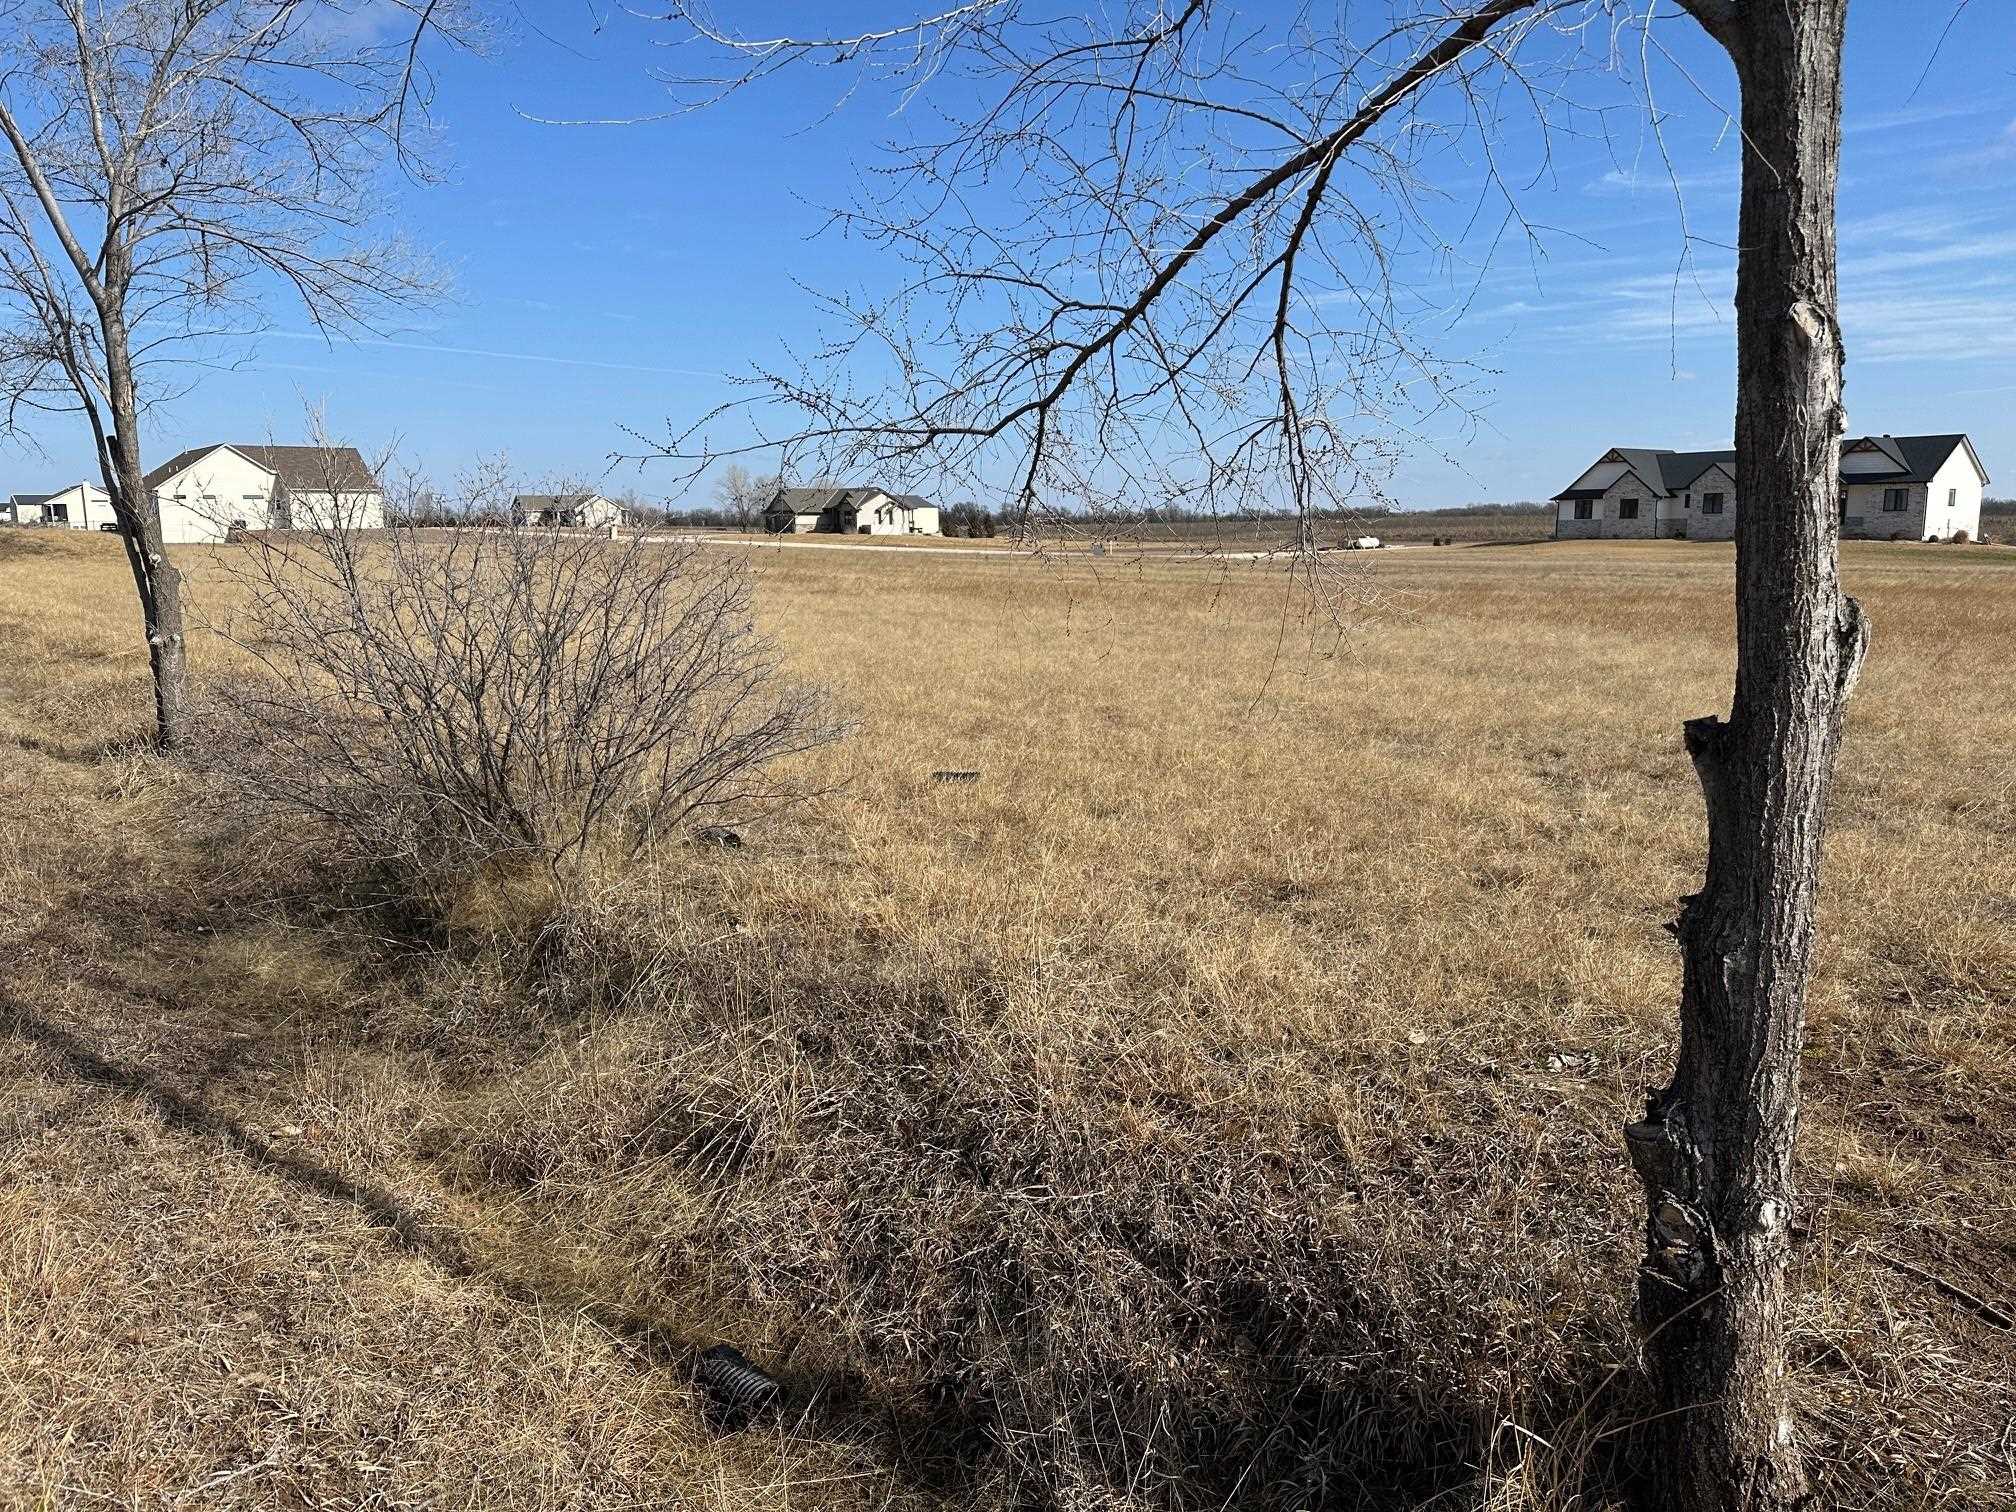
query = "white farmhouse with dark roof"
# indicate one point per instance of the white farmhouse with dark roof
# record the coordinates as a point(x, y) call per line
point(850, 511)
point(1912, 488)
point(81, 506)
point(587, 511)
point(207, 492)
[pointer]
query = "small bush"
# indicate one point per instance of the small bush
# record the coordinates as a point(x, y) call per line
point(1961, 538)
point(474, 695)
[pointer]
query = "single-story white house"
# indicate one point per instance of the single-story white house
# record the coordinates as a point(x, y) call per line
point(850, 511)
point(589, 511)
point(1911, 488)
point(81, 506)
point(207, 492)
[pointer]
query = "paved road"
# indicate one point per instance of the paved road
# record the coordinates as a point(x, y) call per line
point(796, 543)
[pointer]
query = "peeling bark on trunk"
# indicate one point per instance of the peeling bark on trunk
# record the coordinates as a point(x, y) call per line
point(1714, 1150)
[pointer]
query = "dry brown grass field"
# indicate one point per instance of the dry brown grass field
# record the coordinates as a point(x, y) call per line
point(1215, 1105)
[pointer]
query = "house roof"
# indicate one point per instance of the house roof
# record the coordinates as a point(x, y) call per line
point(301, 469)
point(28, 501)
point(819, 500)
point(552, 501)
point(1925, 455)
point(1916, 459)
point(811, 500)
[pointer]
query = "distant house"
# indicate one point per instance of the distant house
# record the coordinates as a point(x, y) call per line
point(81, 506)
point(588, 511)
point(24, 508)
point(1914, 488)
point(207, 492)
point(850, 511)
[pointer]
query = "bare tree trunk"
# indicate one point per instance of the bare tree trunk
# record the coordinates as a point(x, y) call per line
point(154, 576)
point(1714, 1150)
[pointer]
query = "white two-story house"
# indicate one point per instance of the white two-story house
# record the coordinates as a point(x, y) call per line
point(1909, 488)
point(207, 492)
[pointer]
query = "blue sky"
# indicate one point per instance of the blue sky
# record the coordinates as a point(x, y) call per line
point(610, 276)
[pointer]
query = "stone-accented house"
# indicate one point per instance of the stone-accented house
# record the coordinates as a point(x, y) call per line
point(81, 506)
point(1913, 488)
point(586, 511)
point(850, 511)
point(207, 492)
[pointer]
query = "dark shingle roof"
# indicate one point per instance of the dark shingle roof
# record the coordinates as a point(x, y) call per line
point(818, 500)
point(809, 500)
point(551, 501)
point(27, 501)
point(1925, 455)
point(300, 469)
point(1680, 470)
point(1917, 458)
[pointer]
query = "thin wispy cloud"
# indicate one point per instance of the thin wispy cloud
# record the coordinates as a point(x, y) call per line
point(1905, 325)
point(1660, 179)
point(1912, 115)
point(1999, 150)
point(323, 370)
point(501, 356)
point(1942, 255)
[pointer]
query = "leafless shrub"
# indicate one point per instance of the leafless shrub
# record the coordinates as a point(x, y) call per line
point(449, 696)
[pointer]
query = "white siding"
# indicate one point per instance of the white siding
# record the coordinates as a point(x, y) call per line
point(1959, 480)
point(363, 509)
point(85, 506)
point(1602, 475)
point(220, 489)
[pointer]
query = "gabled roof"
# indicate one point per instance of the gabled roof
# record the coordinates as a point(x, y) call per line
point(554, 501)
point(1640, 461)
point(1914, 460)
point(28, 501)
point(809, 500)
point(1682, 470)
point(1884, 446)
point(1925, 455)
point(300, 469)
point(819, 500)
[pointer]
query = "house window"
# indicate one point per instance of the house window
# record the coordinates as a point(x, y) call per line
point(1585, 509)
point(1627, 509)
point(1711, 503)
point(1893, 501)
point(1952, 498)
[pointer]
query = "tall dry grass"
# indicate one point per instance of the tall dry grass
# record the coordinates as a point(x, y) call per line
point(1218, 1102)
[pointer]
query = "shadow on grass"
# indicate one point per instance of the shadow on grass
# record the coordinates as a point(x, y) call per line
point(937, 1444)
